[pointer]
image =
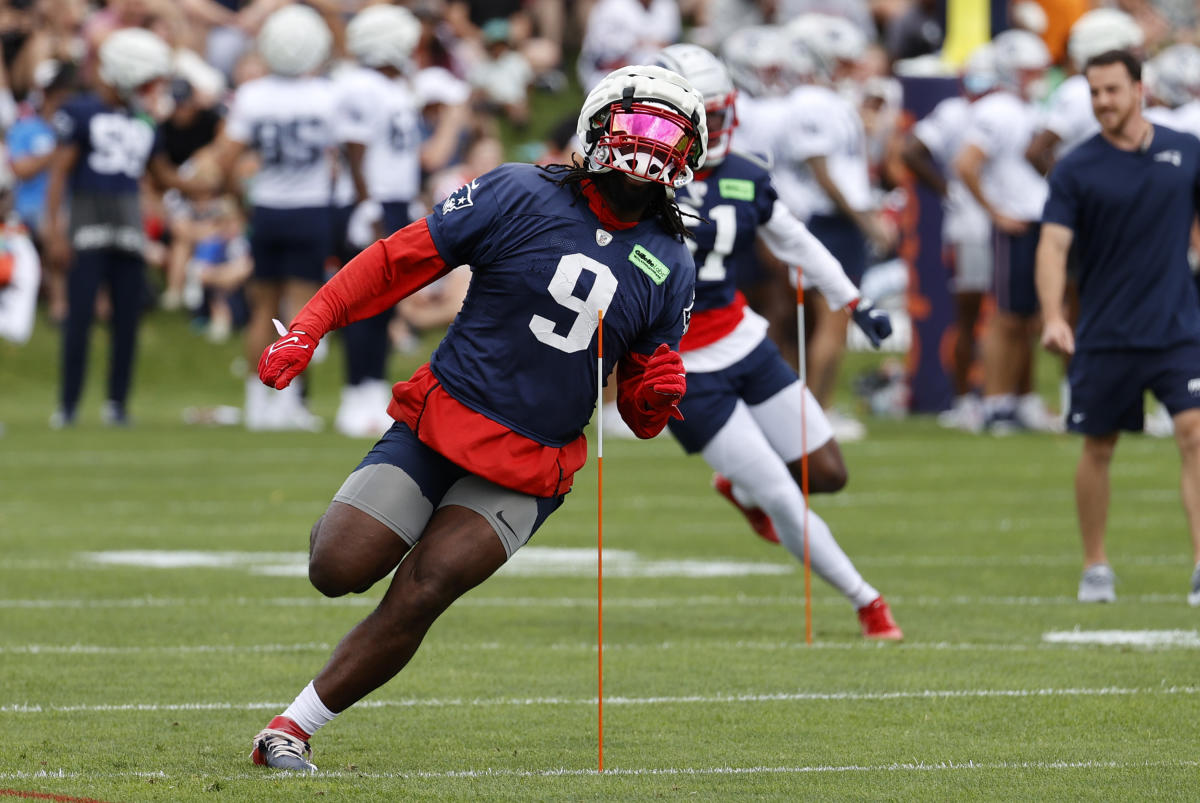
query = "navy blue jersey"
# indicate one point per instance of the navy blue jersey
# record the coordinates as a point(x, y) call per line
point(735, 199)
point(525, 342)
point(114, 145)
point(1131, 212)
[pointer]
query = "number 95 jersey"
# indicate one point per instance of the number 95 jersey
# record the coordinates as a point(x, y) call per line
point(523, 349)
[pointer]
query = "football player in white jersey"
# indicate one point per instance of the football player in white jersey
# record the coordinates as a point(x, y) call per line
point(1068, 119)
point(382, 111)
point(1172, 81)
point(929, 152)
point(822, 176)
point(992, 165)
point(290, 119)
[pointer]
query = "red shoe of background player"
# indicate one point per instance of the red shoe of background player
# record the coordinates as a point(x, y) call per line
point(877, 622)
point(760, 522)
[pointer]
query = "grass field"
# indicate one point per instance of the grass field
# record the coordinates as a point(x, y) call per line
point(120, 681)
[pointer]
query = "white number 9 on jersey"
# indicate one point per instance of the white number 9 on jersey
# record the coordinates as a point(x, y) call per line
point(566, 276)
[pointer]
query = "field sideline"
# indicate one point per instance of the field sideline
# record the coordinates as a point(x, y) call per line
point(156, 615)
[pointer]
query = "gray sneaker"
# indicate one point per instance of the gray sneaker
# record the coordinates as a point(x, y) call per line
point(1194, 594)
point(1097, 583)
point(282, 751)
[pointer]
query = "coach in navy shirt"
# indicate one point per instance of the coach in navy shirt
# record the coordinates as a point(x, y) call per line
point(1127, 199)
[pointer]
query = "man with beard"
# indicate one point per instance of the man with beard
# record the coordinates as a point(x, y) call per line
point(489, 433)
point(1127, 198)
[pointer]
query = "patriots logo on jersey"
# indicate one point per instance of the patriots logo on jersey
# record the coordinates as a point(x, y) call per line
point(460, 198)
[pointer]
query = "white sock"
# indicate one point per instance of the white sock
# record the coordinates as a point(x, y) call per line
point(308, 711)
point(999, 404)
point(828, 560)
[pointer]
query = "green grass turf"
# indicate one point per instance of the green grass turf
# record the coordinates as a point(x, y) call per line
point(124, 683)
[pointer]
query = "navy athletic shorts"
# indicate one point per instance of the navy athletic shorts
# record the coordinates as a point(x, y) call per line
point(291, 243)
point(711, 396)
point(1108, 386)
point(844, 240)
point(1014, 283)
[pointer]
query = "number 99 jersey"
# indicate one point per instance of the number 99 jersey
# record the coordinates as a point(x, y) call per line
point(523, 350)
point(734, 199)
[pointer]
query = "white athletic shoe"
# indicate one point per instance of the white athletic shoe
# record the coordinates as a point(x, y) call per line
point(1194, 593)
point(846, 428)
point(1033, 414)
point(1098, 584)
point(966, 414)
point(1158, 423)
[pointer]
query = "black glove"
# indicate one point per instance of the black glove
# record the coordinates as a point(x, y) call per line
point(874, 323)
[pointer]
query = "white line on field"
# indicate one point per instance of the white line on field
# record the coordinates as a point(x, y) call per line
point(907, 766)
point(610, 601)
point(1054, 640)
point(779, 697)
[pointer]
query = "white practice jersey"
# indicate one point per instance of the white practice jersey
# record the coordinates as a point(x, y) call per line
point(383, 115)
point(1186, 118)
point(294, 126)
point(942, 132)
point(819, 122)
point(1069, 116)
point(1002, 126)
point(18, 298)
point(757, 120)
point(1163, 115)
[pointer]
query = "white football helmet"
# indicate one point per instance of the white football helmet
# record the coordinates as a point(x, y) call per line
point(133, 57)
point(294, 40)
point(383, 36)
point(753, 56)
point(1173, 76)
point(1018, 53)
point(644, 121)
point(979, 72)
point(835, 41)
point(1101, 30)
point(708, 75)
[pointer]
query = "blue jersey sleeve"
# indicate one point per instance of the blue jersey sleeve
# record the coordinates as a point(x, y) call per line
point(1062, 205)
point(69, 124)
point(676, 312)
point(462, 226)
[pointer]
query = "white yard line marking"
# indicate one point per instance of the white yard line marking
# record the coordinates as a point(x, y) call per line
point(1066, 640)
point(907, 766)
point(1131, 638)
point(614, 601)
point(778, 697)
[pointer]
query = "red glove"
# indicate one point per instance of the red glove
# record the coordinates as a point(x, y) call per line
point(283, 360)
point(663, 382)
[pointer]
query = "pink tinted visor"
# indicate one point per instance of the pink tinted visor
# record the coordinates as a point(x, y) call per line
point(649, 126)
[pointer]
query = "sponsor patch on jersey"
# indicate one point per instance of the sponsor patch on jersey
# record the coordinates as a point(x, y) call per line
point(739, 189)
point(459, 199)
point(649, 264)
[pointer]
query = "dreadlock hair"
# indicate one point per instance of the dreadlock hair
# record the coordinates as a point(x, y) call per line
point(669, 215)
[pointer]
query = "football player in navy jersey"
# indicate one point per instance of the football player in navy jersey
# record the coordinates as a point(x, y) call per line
point(1126, 198)
point(106, 143)
point(489, 434)
point(743, 407)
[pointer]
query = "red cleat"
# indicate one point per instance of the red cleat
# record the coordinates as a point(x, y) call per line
point(760, 522)
point(877, 622)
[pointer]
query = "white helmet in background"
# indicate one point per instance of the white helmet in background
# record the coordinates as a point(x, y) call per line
point(834, 40)
point(1101, 30)
point(644, 121)
point(383, 36)
point(708, 76)
point(752, 55)
point(1016, 53)
point(133, 57)
point(979, 74)
point(294, 40)
point(1173, 76)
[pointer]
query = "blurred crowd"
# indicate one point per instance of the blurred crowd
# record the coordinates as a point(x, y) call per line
point(462, 78)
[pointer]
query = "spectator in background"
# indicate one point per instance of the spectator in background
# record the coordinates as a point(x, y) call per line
point(190, 128)
point(502, 77)
point(105, 146)
point(54, 35)
point(621, 32)
point(20, 269)
point(915, 32)
point(219, 267)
